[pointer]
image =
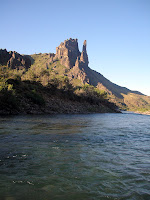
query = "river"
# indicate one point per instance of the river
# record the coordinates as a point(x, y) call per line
point(75, 157)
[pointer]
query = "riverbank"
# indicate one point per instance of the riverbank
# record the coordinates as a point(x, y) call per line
point(56, 105)
point(136, 112)
point(26, 97)
point(143, 113)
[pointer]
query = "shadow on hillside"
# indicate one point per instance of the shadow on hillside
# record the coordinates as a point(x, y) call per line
point(25, 95)
point(29, 57)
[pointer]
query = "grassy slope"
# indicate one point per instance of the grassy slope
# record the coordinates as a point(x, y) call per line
point(137, 102)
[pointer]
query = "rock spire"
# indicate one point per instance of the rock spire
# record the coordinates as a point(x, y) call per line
point(84, 56)
point(69, 55)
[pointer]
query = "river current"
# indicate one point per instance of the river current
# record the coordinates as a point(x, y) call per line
point(75, 157)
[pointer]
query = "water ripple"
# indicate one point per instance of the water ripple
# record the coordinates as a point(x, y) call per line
point(86, 157)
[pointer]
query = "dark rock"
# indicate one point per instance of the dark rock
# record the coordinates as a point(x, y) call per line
point(14, 60)
point(4, 56)
point(51, 55)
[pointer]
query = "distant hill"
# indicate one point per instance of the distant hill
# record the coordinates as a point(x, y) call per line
point(71, 65)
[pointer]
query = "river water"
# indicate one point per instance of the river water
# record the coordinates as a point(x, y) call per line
point(75, 157)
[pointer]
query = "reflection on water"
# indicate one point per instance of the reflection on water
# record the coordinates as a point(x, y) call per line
point(67, 157)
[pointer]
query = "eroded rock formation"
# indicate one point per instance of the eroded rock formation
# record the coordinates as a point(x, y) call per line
point(67, 52)
point(14, 60)
point(84, 56)
point(69, 55)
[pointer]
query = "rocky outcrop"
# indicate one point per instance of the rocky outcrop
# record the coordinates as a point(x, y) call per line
point(14, 60)
point(81, 65)
point(52, 56)
point(69, 55)
point(84, 56)
point(67, 52)
point(77, 73)
point(4, 56)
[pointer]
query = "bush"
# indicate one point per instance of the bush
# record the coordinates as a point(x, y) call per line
point(35, 97)
point(8, 100)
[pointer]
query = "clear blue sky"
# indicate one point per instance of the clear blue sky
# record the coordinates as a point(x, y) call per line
point(117, 33)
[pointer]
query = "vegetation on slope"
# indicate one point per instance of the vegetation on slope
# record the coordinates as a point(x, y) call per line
point(43, 89)
point(45, 77)
point(137, 102)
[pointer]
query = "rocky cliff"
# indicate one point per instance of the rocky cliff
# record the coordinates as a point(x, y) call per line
point(14, 60)
point(69, 55)
point(67, 52)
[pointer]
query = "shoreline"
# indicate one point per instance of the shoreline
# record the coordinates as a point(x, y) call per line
point(143, 113)
point(55, 105)
point(136, 112)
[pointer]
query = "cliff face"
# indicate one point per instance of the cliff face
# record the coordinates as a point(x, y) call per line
point(67, 52)
point(14, 60)
point(69, 55)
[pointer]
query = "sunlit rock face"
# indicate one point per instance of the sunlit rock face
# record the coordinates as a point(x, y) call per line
point(67, 52)
point(69, 55)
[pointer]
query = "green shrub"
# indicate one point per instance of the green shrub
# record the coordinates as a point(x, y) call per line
point(5, 86)
point(8, 100)
point(34, 97)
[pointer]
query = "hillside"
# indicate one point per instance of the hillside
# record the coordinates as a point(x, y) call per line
point(43, 88)
point(68, 70)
